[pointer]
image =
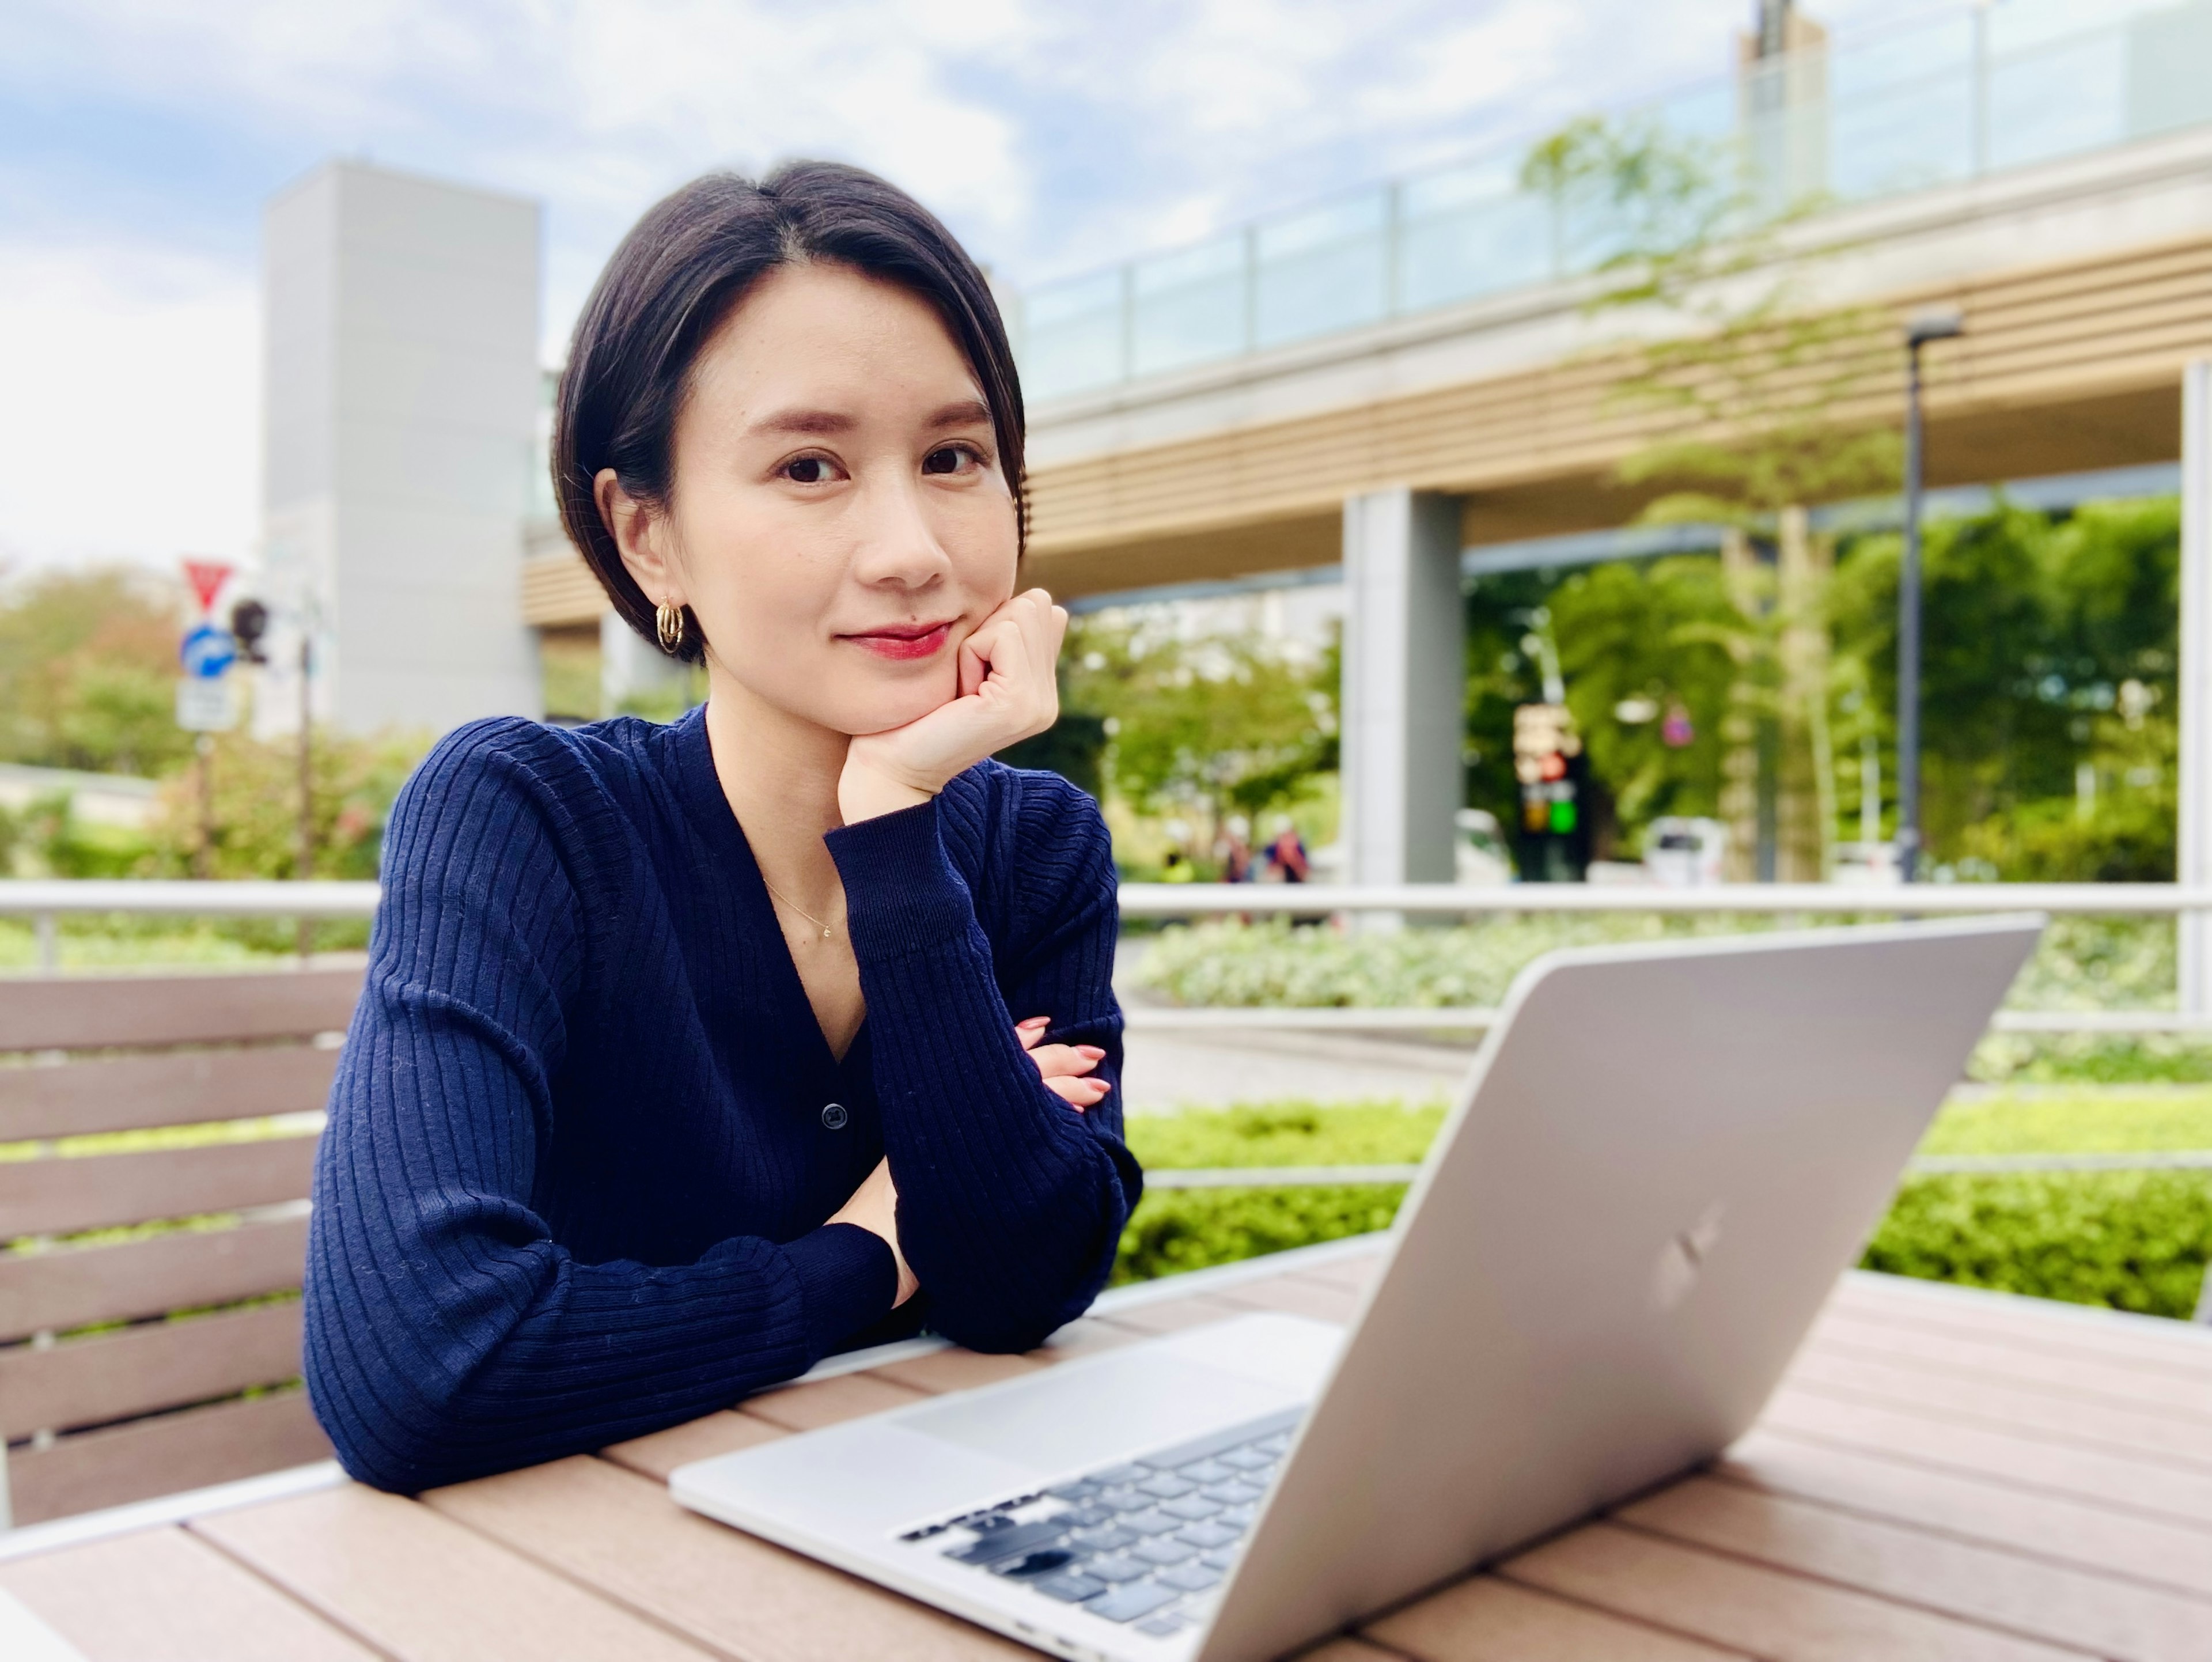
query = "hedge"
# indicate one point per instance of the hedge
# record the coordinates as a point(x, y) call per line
point(2131, 1240)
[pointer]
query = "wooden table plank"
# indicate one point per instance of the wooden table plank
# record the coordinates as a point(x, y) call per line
point(2015, 1405)
point(2027, 1460)
point(1351, 1273)
point(826, 1401)
point(1999, 1588)
point(2089, 1379)
point(1297, 1297)
point(657, 1453)
point(734, 1594)
point(1084, 1338)
point(421, 1588)
point(2037, 1326)
point(1752, 1607)
point(2071, 1531)
point(954, 1370)
point(162, 1596)
point(1487, 1619)
point(1171, 1315)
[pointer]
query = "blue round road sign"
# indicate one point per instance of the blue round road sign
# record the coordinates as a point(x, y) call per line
point(207, 652)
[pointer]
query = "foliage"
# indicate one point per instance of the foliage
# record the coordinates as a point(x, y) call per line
point(88, 672)
point(2039, 635)
point(257, 807)
point(1176, 1230)
point(1206, 728)
point(53, 841)
point(1074, 747)
point(1752, 383)
point(1288, 1134)
point(2132, 1240)
point(1272, 963)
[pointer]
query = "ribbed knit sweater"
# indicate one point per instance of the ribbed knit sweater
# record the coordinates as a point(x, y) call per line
point(585, 1130)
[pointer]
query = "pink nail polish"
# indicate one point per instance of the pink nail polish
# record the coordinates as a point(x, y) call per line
point(1090, 1051)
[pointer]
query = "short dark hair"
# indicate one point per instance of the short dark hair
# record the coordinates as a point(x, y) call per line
point(676, 277)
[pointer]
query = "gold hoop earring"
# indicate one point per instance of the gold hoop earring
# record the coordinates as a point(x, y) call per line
point(668, 624)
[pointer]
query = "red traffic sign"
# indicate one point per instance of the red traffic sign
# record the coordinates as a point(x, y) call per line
point(207, 578)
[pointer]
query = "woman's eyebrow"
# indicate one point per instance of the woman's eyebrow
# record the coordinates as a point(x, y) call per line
point(969, 413)
point(806, 421)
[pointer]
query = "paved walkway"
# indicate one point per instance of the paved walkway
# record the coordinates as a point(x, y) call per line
point(1165, 1072)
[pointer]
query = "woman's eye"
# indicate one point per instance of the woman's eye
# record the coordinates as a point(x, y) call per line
point(808, 469)
point(950, 458)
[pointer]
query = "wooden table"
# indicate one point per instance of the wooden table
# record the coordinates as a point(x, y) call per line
point(1944, 1475)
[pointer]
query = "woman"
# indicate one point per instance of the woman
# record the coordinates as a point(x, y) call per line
point(689, 1054)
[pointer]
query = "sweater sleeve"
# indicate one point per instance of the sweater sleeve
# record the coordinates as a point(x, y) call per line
point(1011, 1203)
point(447, 1335)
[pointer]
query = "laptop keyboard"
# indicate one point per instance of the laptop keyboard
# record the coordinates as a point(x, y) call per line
point(1147, 1543)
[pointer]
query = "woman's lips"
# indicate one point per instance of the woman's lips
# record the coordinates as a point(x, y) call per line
point(903, 641)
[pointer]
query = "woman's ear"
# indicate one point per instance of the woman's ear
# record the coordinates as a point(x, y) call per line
point(637, 529)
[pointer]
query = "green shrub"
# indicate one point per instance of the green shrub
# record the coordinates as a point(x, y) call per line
point(1178, 1229)
point(2131, 1240)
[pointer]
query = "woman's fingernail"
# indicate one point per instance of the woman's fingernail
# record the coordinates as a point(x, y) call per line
point(1035, 1021)
point(1090, 1051)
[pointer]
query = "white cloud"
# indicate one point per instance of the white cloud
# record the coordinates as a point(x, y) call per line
point(1053, 136)
point(132, 429)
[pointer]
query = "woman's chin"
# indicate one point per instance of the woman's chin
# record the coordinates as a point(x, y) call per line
point(891, 712)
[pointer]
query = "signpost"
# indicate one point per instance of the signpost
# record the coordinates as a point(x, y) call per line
point(205, 701)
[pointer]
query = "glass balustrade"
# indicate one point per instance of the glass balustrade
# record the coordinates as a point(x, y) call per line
point(1939, 101)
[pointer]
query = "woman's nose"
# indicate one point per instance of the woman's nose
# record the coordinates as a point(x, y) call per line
point(898, 545)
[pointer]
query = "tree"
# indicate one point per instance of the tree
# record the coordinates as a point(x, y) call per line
point(257, 807)
point(1759, 405)
point(1203, 728)
point(88, 672)
point(2051, 654)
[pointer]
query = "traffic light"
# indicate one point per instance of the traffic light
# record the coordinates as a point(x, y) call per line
point(249, 621)
point(1548, 762)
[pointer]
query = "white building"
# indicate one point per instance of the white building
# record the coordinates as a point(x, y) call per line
point(401, 319)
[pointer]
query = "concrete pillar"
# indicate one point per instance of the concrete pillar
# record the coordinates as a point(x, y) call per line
point(2193, 842)
point(1405, 685)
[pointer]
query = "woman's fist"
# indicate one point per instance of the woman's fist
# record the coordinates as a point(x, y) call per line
point(1008, 692)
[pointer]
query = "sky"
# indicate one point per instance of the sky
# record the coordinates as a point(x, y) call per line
point(139, 138)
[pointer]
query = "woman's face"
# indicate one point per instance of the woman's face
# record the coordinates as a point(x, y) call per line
point(839, 522)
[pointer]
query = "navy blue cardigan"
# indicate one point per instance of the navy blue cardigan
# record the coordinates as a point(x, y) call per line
point(586, 1130)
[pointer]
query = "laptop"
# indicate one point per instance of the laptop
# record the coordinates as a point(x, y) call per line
point(1664, 1158)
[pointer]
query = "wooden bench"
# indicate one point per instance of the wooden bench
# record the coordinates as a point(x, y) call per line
point(125, 1352)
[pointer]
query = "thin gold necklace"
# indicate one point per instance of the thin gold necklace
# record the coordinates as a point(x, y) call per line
point(795, 906)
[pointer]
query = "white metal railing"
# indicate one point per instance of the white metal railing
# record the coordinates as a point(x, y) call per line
point(45, 902)
point(1957, 93)
point(1829, 899)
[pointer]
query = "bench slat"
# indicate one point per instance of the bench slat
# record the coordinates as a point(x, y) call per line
point(77, 1013)
point(162, 1455)
point(56, 1196)
point(66, 1289)
point(111, 1376)
point(130, 1093)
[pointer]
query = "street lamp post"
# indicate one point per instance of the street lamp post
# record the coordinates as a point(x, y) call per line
point(1939, 323)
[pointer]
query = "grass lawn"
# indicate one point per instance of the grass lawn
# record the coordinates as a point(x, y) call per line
point(2132, 1240)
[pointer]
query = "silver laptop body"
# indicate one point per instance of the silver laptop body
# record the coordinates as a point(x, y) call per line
point(1664, 1158)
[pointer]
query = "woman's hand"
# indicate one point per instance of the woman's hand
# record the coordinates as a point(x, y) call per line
point(1007, 693)
point(1064, 1066)
point(875, 1208)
